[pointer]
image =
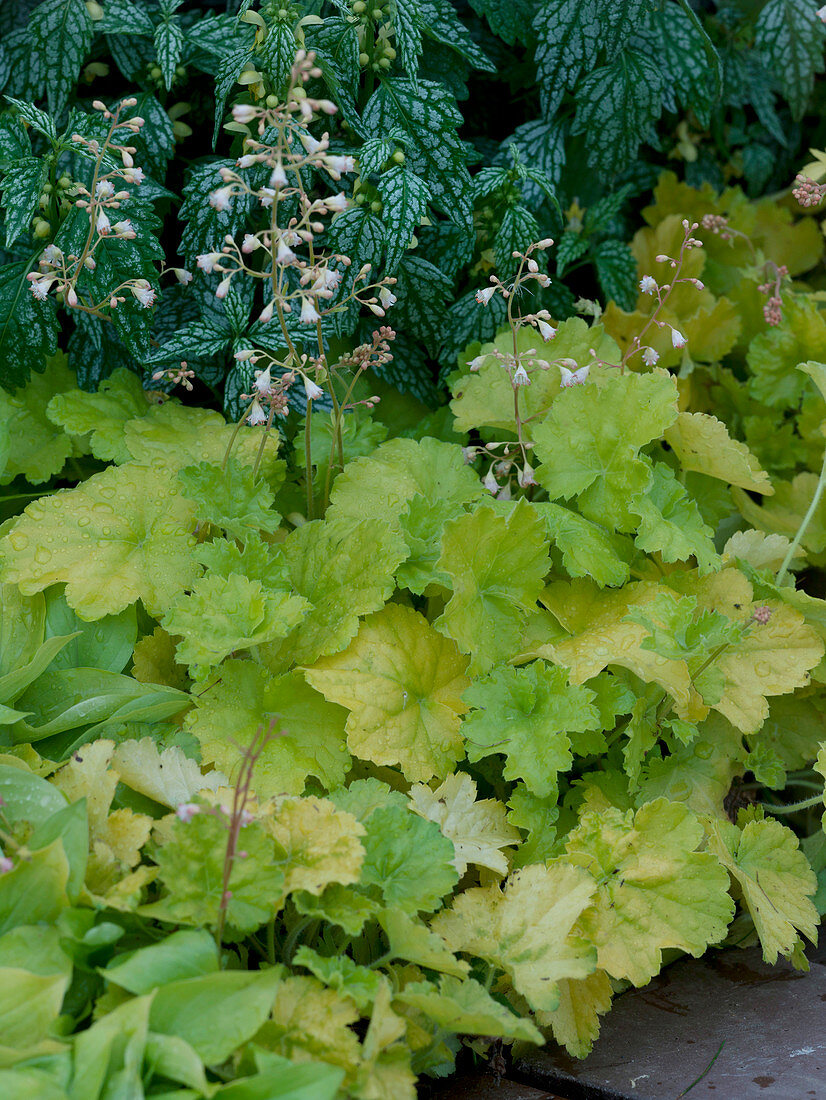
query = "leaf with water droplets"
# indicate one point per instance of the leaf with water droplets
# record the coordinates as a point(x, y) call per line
point(122, 535)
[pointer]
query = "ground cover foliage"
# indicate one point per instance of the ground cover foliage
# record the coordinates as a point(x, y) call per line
point(345, 737)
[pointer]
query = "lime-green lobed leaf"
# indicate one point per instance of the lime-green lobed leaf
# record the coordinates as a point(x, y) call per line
point(526, 714)
point(465, 1007)
point(124, 534)
point(671, 524)
point(526, 929)
point(230, 498)
point(309, 731)
point(702, 443)
point(402, 682)
point(776, 880)
point(222, 615)
point(102, 415)
point(655, 889)
point(191, 866)
point(590, 442)
point(496, 567)
point(344, 568)
point(381, 484)
point(37, 450)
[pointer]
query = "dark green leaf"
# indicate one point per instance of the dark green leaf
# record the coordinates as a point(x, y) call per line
point(374, 154)
point(21, 186)
point(404, 197)
point(429, 118)
point(688, 57)
point(28, 328)
point(196, 339)
point(617, 271)
point(519, 229)
point(211, 32)
point(37, 119)
point(469, 321)
point(446, 245)
point(336, 46)
point(14, 141)
point(421, 290)
point(95, 350)
point(277, 55)
point(616, 104)
point(169, 44)
point(542, 147)
point(62, 31)
point(229, 70)
point(440, 22)
point(126, 17)
point(406, 17)
point(509, 19)
point(571, 247)
point(790, 36)
point(26, 76)
point(568, 36)
point(206, 227)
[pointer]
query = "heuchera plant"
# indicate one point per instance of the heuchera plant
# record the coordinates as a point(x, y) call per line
point(461, 756)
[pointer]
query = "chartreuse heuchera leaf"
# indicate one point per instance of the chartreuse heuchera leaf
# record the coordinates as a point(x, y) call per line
point(123, 535)
point(496, 567)
point(402, 682)
point(590, 443)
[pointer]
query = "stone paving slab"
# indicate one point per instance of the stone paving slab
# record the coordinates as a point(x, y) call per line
point(767, 1023)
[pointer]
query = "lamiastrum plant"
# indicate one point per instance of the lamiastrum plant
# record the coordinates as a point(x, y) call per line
point(346, 737)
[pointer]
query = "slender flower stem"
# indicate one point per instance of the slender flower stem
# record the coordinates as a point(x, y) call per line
point(801, 531)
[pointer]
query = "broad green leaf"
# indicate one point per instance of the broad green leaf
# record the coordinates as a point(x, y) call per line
point(27, 797)
point(309, 731)
point(525, 714)
point(517, 231)
point(422, 523)
point(230, 498)
point(281, 1079)
point(344, 568)
point(655, 890)
point(423, 292)
point(339, 905)
point(112, 1048)
point(465, 1006)
point(525, 929)
point(590, 443)
point(478, 828)
point(321, 843)
point(538, 817)
point(216, 1013)
point(687, 54)
point(380, 484)
point(224, 615)
point(791, 38)
point(671, 524)
point(340, 973)
point(496, 567)
point(702, 443)
point(37, 449)
point(408, 860)
point(617, 271)
point(402, 682)
point(175, 1060)
point(191, 866)
point(185, 954)
point(122, 535)
point(775, 878)
point(508, 20)
point(106, 645)
point(89, 698)
point(102, 415)
point(413, 941)
point(34, 890)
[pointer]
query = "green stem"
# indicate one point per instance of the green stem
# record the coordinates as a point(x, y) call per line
point(807, 519)
point(793, 807)
point(308, 457)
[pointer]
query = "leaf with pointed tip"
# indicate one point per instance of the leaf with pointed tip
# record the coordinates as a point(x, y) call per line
point(791, 37)
point(62, 31)
point(405, 197)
